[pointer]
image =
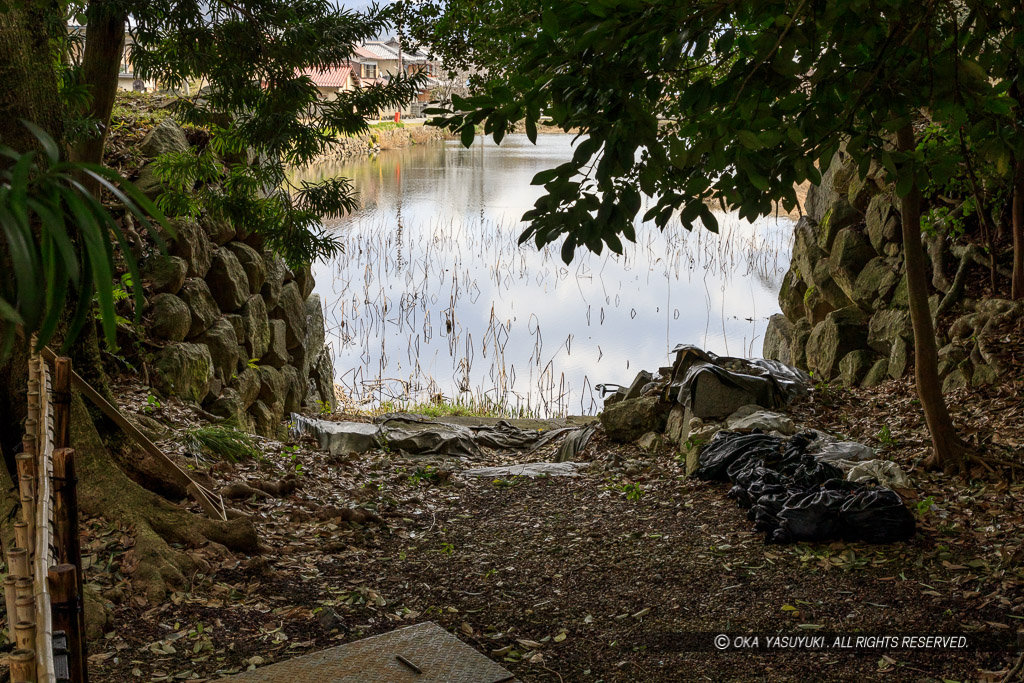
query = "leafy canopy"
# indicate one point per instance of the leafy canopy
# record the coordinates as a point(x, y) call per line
point(692, 101)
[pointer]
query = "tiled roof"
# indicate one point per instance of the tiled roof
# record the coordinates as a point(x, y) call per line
point(332, 77)
point(376, 51)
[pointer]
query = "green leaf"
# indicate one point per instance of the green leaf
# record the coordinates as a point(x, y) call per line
point(467, 134)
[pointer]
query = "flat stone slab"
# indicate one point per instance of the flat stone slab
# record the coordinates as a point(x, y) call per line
point(530, 469)
point(439, 656)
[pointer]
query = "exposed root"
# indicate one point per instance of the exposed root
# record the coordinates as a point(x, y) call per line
point(104, 490)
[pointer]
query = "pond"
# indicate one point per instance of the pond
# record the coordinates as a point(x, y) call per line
point(433, 296)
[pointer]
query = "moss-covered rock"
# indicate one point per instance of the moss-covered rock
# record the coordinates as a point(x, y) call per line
point(228, 281)
point(190, 243)
point(223, 346)
point(886, 326)
point(874, 284)
point(777, 338)
point(183, 369)
point(164, 274)
point(841, 332)
point(168, 317)
point(203, 309)
point(854, 366)
point(882, 223)
point(878, 373)
point(167, 137)
point(256, 326)
point(291, 308)
point(277, 353)
point(252, 263)
point(791, 295)
point(827, 287)
point(220, 231)
point(899, 358)
point(630, 419)
point(838, 216)
point(815, 306)
point(850, 253)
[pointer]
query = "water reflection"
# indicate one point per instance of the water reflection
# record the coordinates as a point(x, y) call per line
point(433, 295)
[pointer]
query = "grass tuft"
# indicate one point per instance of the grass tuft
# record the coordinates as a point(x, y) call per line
point(221, 442)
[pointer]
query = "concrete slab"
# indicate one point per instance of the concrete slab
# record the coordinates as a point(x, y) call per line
point(424, 653)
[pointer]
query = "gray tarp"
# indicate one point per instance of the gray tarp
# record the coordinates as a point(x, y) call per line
point(768, 383)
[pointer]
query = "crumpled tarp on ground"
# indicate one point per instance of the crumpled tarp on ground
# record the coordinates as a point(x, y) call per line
point(770, 383)
point(530, 469)
point(792, 496)
point(438, 438)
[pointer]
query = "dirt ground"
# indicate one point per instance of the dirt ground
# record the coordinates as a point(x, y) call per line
point(624, 573)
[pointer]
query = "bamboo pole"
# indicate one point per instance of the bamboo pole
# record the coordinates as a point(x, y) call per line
point(28, 514)
point(21, 535)
point(25, 608)
point(10, 596)
point(69, 550)
point(25, 635)
point(61, 395)
point(23, 666)
point(65, 603)
point(17, 562)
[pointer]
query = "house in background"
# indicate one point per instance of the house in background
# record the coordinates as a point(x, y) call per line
point(126, 77)
point(333, 80)
point(379, 60)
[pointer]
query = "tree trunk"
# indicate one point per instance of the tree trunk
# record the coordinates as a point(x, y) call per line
point(104, 45)
point(947, 450)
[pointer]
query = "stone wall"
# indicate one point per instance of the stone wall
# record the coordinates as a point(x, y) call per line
point(376, 140)
point(241, 333)
point(844, 299)
point(234, 328)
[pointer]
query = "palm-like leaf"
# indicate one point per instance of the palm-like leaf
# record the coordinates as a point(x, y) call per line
point(58, 243)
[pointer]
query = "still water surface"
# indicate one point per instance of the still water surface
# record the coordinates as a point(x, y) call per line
point(434, 296)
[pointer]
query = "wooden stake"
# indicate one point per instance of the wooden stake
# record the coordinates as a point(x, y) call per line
point(61, 395)
point(27, 487)
point(25, 635)
point(17, 560)
point(65, 604)
point(23, 666)
point(25, 609)
point(26, 462)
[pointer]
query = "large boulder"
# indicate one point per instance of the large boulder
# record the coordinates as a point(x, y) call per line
point(777, 339)
point(322, 378)
point(825, 287)
point(798, 343)
point(842, 331)
point(834, 183)
point(791, 295)
point(886, 326)
point(294, 389)
point(168, 317)
point(184, 370)
point(854, 366)
point(256, 326)
point(277, 273)
point(247, 383)
point(304, 278)
point(190, 243)
point(874, 284)
point(815, 306)
point(164, 274)
point(272, 389)
point(196, 295)
point(147, 181)
point(899, 358)
point(292, 310)
point(265, 423)
point(309, 350)
point(219, 230)
point(223, 345)
point(849, 254)
point(228, 281)
point(878, 373)
point(806, 252)
point(838, 216)
point(882, 223)
point(252, 263)
point(629, 420)
point(277, 353)
point(167, 137)
point(230, 406)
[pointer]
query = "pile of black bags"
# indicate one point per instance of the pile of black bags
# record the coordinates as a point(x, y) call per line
point(793, 497)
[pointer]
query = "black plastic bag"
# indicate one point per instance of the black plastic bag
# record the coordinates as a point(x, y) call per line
point(726, 448)
point(813, 516)
point(877, 516)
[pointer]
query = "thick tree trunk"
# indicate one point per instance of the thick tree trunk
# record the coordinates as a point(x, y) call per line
point(947, 450)
point(104, 45)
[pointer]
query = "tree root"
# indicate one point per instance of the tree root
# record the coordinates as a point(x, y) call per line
point(105, 491)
